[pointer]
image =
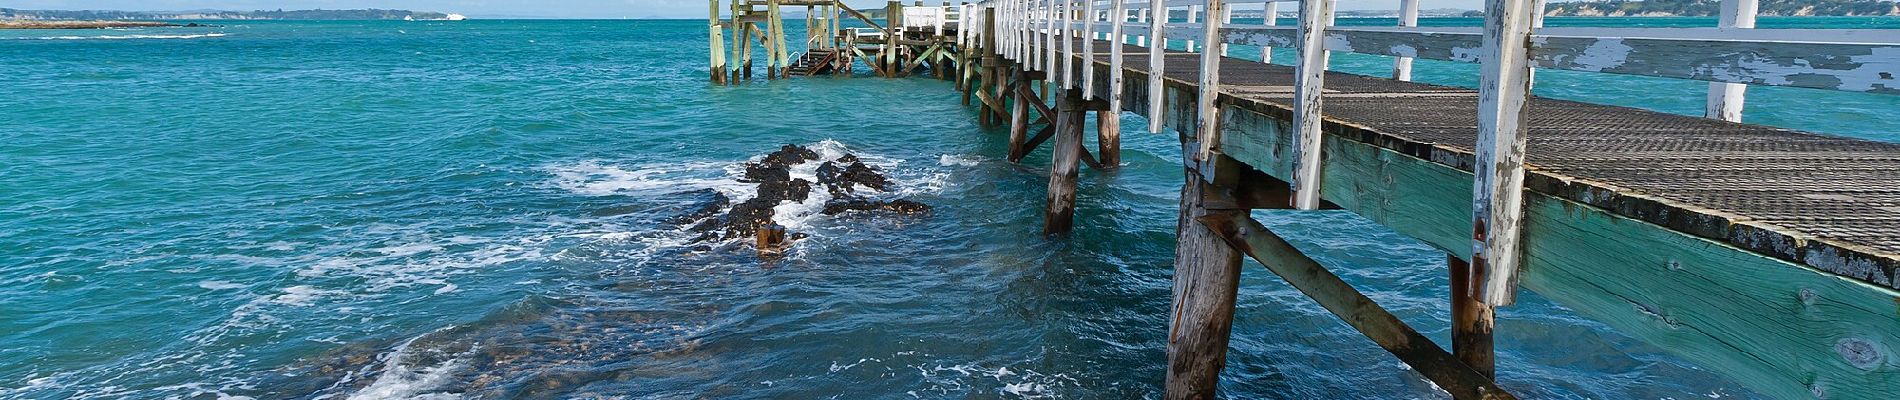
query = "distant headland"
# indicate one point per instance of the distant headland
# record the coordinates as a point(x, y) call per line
point(10, 16)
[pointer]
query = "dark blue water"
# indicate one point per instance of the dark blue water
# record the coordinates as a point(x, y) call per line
point(478, 209)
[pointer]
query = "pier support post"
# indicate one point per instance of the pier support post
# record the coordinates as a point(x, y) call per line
point(1108, 136)
point(1059, 215)
point(1019, 117)
point(717, 47)
point(1206, 280)
point(1471, 321)
point(991, 77)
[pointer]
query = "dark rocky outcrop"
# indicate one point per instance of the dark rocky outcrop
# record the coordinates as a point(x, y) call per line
point(842, 178)
point(759, 172)
point(846, 179)
point(788, 155)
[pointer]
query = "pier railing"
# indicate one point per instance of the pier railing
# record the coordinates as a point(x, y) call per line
point(1040, 36)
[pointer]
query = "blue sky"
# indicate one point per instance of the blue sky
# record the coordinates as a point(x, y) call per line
point(531, 8)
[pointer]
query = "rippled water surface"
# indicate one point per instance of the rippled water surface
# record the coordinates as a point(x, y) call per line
point(480, 209)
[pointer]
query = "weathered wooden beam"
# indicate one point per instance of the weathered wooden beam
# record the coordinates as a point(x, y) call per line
point(1249, 237)
point(1042, 135)
point(1206, 280)
point(1504, 91)
point(1309, 77)
point(1109, 122)
point(1059, 211)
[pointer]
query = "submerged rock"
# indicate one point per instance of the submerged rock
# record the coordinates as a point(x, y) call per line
point(900, 206)
point(707, 203)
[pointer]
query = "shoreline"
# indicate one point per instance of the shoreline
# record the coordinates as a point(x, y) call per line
point(44, 24)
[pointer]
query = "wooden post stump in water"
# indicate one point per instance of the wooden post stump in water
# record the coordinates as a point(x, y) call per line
point(1471, 320)
point(1018, 116)
point(1206, 279)
point(1059, 215)
point(1108, 136)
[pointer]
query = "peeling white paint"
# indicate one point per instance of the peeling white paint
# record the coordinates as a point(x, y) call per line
point(1605, 54)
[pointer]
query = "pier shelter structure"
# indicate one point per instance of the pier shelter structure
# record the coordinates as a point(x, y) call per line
point(1768, 255)
point(894, 41)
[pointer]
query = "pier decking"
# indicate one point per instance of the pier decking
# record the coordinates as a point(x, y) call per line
point(1766, 254)
point(1725, 243)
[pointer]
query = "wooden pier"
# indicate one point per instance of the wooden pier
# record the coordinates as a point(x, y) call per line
point(1768, 255)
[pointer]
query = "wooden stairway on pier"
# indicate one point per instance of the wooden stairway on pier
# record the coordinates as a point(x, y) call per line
point(813, 62)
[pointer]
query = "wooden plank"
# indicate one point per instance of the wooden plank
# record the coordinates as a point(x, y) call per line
point(1309, 76)
point(1782, 329)
point(1725, 99)
point(1504, 92)
point(1059, 211)
point(1441, 368)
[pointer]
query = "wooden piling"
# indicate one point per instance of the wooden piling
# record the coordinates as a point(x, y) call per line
point(1206, 279)
point(1472, 321)
point(1108, 137)
point(1019, 117)
point(717, 49)
point(1059, 215)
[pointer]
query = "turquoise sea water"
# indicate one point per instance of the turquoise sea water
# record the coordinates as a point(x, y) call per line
point(477, 209)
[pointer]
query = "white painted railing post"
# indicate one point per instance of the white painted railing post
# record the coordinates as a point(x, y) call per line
point(1049, 51)
point(1408, 17)
point(1141, 16)
point(1208, 108)
point(1068, 44)
point(1226, 17)
point(1157, 47)
point(1118, 15)
point(1270, 11)
point(1498, 196)
point(1088, 50)
point(1725, 99)
point(1193, 16)
point(1309, 77)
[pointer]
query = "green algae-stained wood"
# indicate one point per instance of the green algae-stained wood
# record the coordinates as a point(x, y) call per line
point(1783, 329)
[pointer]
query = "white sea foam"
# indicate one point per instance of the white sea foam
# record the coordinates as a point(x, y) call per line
point(219, 285)
point(402, 381)
point(959, 160)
